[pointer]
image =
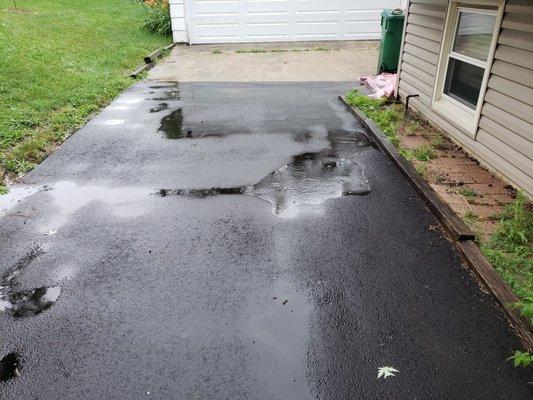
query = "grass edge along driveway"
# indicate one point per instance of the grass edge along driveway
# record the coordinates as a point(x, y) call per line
point(62, 62)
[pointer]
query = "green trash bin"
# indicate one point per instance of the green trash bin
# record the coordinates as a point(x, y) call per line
point(391, 40)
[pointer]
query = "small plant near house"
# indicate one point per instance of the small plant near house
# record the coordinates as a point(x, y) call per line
point(526, 309)
point(3, 190)
point(407, 154)
point(253, 51)
point(411, 128)
point(421, 169)
point(424, 153)
point(217, 51)
point(438, 142)
point(470, 217)
point(468, 193)
point(495, 217)
point(521, 359)
point(157, 19)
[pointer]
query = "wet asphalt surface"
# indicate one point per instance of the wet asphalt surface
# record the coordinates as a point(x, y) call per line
point(236, 241)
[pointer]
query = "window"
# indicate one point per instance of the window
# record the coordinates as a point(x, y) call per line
point(467, 51)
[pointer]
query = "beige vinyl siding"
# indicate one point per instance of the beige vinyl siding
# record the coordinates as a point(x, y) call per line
point(504, 140)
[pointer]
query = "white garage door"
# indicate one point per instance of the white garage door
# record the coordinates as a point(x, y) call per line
point(225, 21)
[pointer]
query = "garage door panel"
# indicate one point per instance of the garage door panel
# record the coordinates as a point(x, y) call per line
point(268, 18)
point(371, 5)
point(215, 7)
point(212, 31)
point(363, 15)
point(270, 30)
point(361, 28)
point(319, 5)
point(258, 7)
point(219, 21)
point(329, 29)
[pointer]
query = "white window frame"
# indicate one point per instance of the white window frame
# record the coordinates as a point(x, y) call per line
point(459, 114)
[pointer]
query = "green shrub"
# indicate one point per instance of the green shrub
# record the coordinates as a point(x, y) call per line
point(157, 19)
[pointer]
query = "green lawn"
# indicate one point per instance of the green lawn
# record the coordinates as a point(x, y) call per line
point(61, 60)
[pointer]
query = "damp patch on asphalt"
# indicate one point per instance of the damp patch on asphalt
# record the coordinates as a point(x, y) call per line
point(307, 181)
point(158, 108)
point(11, 274)
point(202, 192)
point(25, 302)
point(9, 367)
point(279, 330)
point(171, 92)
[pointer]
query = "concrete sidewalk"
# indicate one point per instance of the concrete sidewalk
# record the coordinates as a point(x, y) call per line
point(272, 62)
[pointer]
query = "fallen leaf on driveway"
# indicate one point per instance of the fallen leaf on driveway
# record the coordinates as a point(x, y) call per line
point(386, 371)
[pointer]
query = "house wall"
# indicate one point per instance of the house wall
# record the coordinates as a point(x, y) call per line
point(504, 138)
point(179, 25)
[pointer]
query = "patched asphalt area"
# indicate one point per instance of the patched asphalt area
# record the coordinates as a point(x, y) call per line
point(240, 241)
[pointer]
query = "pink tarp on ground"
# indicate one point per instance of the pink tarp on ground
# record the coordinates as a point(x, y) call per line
point(383, 85)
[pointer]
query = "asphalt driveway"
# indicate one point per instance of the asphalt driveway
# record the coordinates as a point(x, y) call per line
point(237, 241)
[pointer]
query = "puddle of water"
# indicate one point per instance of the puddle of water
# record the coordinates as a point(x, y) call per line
point(308, 180)
point(171, 94)
point(280, 330)
point(172, 125)
point(114, 122)
point(159, 107)
point(129, 100)
point(119, 108)
point(311, 179)
point(16, 194)
point(30, 302)
point(69, 198)
point(9, 367)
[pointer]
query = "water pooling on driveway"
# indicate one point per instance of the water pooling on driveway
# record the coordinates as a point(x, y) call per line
point(270, 253)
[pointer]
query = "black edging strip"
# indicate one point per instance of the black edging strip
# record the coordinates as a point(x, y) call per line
point(462, 235)
point(150, 61)
point(152, 57)
point(146, 67)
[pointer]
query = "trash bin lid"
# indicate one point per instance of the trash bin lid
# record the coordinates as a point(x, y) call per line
point(397, 14)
